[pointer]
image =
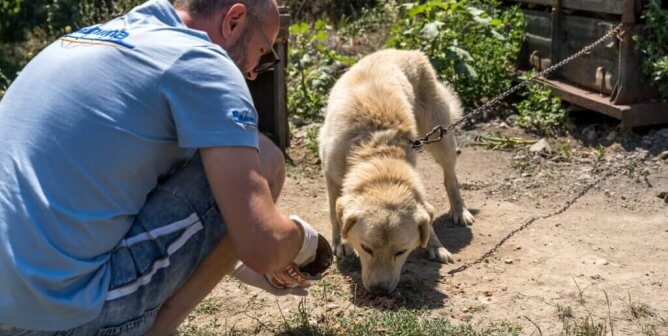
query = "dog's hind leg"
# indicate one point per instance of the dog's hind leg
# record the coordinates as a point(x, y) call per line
point(334, 192)
point(445, 154)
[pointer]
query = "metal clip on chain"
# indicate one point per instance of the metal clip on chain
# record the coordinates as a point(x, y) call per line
point(438, 130)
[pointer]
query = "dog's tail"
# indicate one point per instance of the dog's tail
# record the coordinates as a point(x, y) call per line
point(454, 103)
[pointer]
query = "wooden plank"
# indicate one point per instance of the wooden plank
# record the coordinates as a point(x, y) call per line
point(585, 98)
point(634, 115)
point(596, 6)
point(597, 70)
point(646, 114)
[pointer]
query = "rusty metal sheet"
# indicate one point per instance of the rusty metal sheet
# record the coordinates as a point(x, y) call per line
point(598, 6)
point(538, 40)
point(597, 70)
point(609, 79)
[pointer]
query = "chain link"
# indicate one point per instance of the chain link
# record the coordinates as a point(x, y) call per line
point(441, 130)
point(436, 134)
point(531, 220)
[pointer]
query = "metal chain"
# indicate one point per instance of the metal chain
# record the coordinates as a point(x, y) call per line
point(531, 220)
point(437, 133)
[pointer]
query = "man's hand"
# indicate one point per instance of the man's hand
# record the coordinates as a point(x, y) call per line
point(255, 279)
point(313, 259)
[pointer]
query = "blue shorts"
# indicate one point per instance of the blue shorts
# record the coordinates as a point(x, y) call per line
point(175, 230)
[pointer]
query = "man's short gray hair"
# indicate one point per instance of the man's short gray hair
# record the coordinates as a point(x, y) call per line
point(207, 8)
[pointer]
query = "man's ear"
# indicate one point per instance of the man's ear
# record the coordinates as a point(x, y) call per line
point(424, 220)
point(234, 23)
point(345, 215)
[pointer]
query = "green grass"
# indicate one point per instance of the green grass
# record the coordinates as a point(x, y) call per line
point(212, 328)
point(208, 306)
point(312, 140)
point(392, 323)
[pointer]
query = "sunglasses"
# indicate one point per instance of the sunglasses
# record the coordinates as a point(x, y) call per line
point(268, 61)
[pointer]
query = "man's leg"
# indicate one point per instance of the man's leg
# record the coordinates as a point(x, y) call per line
point(221, 260)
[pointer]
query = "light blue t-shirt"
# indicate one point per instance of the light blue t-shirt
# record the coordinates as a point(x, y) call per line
point(86, 130)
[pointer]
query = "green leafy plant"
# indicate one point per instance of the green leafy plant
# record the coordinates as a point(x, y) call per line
point(654, 46)
point(471, 44)
point(26, 27)
point(330, 9)
point(565, 151)
point(401, 322)
point(539, 110)
point(4, 83)
point(313, 69)
point(379, 18)
point(312, 140)
point(91, 12)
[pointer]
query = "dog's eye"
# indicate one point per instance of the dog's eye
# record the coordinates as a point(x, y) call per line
point(367, 250)
point(400, 253)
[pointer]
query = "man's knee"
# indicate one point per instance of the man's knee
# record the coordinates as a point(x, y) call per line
point(273, 165)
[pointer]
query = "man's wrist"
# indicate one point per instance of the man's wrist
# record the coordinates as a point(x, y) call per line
point(309, 246)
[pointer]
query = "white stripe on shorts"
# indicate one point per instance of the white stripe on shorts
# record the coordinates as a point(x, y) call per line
point(159, 232)
point(194, 225)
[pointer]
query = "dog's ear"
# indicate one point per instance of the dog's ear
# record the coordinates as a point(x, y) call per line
point(346, 216)
point(424, 224)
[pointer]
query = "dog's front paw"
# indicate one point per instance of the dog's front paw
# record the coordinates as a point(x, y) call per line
point(439, 254)
point(463, 218)
point(343, 250)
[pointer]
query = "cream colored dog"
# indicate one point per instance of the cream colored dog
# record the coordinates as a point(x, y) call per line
point(377, 200)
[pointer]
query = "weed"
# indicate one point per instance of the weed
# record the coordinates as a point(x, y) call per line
point(208, 306)
point(579, 326)
point(539, 110)
point(501, 142)
point(639, 310)
point(471, 44)
point(212, 328)
point(371, 19)
point(312, 139)
point(335, 10)
point(4, 83)
point(26, 27)
point(564, 313)
point(599, 153)
point(565, 151)
point(654, 45)
point(524, 165)
point(583, 327)
point(313, 69)
point(476, 308)
point(393, 323)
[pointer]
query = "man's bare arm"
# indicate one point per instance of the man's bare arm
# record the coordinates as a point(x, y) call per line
point(264, 239)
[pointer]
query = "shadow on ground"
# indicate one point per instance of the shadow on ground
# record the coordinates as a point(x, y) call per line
point(452, 236)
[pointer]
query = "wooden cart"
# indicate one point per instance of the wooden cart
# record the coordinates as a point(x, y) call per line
point(609, 80)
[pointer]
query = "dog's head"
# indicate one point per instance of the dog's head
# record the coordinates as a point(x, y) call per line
point(383, 232)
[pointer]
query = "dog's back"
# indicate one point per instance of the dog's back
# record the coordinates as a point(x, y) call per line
point(375, 94)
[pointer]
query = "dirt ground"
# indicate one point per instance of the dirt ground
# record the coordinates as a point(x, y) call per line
point(604, 259)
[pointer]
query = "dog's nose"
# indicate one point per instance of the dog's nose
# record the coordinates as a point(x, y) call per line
point(380, 290)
